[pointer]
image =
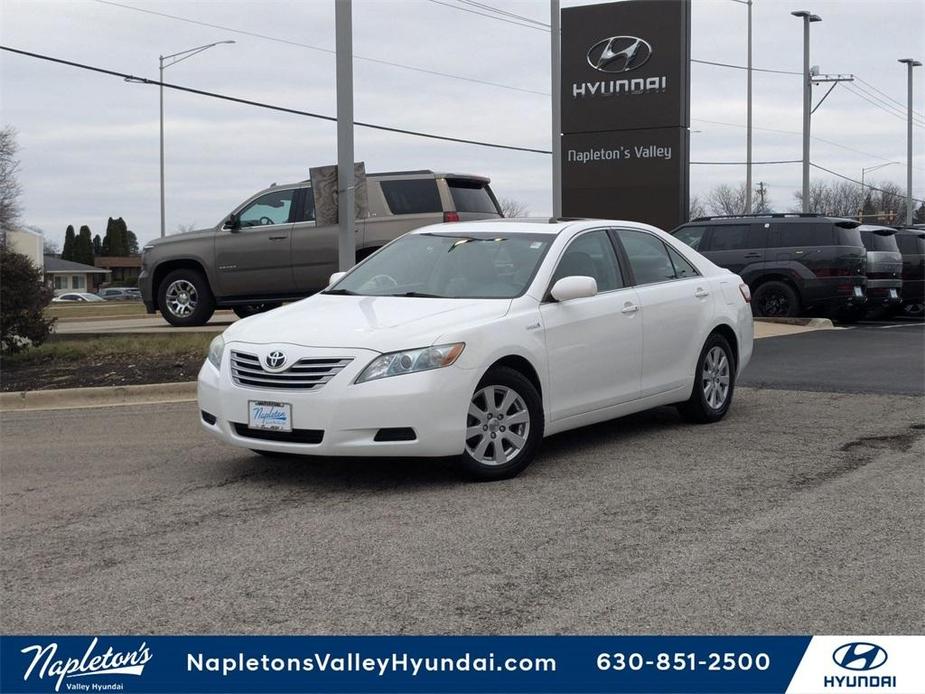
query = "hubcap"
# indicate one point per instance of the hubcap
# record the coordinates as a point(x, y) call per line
point(182, 298)
point(715, 378)
point(775, 304)
point(498, 425)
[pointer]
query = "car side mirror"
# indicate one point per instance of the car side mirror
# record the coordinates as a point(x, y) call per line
point(574, 287)
point(233, 223)
point(336, 277)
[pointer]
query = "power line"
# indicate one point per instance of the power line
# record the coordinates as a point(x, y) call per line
point(743, 163)
point(260, 104)
point(490, 16)
point(320, 49)
point(884, 94)
point(745, 67)
point(881, 107)
point(866, 185)
point(506, 13)
point(899, 110)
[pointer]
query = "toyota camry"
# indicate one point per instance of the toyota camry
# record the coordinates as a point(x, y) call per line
point(477, 340)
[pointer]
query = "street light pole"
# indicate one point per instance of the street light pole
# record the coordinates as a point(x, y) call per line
point(863, 172)
point(174, 58)
point(808, 18)
point(748, 120)
point(556, 81)
point(910, 63)
point(343, 43)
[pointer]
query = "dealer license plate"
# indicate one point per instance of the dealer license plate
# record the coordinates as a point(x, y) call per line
point(270, 416)
point(893, 294)
point(858, 292)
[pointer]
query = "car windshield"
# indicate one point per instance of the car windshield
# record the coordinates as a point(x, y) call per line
point(479, 265)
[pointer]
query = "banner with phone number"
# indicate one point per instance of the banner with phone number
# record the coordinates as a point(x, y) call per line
point(461, 663)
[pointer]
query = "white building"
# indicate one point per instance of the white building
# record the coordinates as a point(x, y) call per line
point(30, 243)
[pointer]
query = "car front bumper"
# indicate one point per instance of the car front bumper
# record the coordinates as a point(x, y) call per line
point(433, 404)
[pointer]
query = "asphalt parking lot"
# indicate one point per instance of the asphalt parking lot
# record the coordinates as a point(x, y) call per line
point(801, 512)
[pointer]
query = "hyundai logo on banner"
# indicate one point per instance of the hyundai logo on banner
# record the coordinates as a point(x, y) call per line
point(619, 54)
point(859, 656)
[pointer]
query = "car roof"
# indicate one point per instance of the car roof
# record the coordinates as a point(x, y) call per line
point(540, 225)
point(776, 216)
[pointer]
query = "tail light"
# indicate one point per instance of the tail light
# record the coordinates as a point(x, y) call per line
point(746, 293)
point(451, 216)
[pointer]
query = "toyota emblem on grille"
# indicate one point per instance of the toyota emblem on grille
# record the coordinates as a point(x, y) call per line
point(619, 54)
point(275, 359)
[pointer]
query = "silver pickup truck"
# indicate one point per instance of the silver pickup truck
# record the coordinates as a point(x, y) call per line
point(269, 249)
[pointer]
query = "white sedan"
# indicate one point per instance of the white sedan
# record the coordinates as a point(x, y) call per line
point(477, 340)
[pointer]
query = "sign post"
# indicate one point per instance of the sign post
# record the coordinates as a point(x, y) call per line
point(626, 111)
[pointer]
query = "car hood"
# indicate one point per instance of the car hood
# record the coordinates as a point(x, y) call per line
point(183, 236)
point(379, 323)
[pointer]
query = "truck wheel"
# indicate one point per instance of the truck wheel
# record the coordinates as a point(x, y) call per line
point(185, 299)
point(246, 310)
point(775, 300)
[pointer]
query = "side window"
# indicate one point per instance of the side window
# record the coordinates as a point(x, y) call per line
point(306, 209)
point(648, 257)
point(804, 234)
point(682, 266)
point(415, 196)
point(591, 255)
point(692, 236)
point(271, 208)
point(730, 237)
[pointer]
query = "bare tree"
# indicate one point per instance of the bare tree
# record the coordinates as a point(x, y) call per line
point(883, 202)
point(9, 184)
point(727, 199)
point(186, 228)
point(513, 208)
point(695, 208)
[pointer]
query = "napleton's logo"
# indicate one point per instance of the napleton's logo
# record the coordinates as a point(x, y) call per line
point(619, 54)
point(46, 663)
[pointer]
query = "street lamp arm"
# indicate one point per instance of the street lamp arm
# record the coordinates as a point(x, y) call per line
point(189, 53)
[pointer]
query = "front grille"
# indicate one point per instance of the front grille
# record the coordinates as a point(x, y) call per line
point(294, 436)
point(305, 374)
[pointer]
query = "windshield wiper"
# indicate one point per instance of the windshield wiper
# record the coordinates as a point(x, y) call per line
point(341, 292)
point(420, 295)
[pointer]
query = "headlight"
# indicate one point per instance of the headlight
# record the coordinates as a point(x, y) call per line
point(215, 351)
point(409, 361)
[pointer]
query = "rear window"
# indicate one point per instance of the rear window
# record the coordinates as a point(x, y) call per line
point(911, 244)
point(471, 196)
point(848, 236)
point(879, 242)
point(416, 196)
point(806, 234)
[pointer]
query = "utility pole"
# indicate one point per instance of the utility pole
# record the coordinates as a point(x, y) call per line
point(555, 19)
point(762, 189)
point(807, 18)
point(346, 246)
point(910, 63)
point(748, 120)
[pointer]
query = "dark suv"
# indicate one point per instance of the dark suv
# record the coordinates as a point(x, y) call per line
point(793, 263)
point(884, 268)
point(911, 243)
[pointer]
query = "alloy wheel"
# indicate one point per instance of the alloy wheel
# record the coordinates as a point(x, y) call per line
point(775, 304)
point(182, 298)
point(498, 425)
point(715, 378)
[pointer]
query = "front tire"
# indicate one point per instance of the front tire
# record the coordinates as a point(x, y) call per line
point(776, 300)
point(185, 298)
point(714, 383)
point(504, 426)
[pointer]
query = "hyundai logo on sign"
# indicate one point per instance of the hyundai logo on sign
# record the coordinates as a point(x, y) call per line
point(275, 359)
point(859, 656)
point(619, 54)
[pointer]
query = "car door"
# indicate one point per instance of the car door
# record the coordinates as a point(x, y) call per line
point(254, 258)
point(594, 344)
point(314, 247)
point(675, 308)
point(736, 246)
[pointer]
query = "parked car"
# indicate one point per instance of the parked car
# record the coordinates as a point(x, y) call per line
point(479, 339)
point(120, 294)
point(269, 250)
point(795, 264)
point(911, 242)
point(76, 297)
point(884, 268)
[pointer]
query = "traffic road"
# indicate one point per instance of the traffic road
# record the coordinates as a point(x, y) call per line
point(801, 512)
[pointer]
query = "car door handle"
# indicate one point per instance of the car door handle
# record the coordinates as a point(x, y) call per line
point(277, 238)
point(701, 293)
point(629, 308)
point(753, 255)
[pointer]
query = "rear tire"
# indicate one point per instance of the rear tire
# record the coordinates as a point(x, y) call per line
point(714, 383)
point(185, 298)
point(776, 300)
point(504, 426)
point(245, 310)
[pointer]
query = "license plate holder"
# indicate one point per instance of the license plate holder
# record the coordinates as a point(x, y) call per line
point(269, 416)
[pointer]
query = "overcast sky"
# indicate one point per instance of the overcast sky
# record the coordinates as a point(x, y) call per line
point(89, 142)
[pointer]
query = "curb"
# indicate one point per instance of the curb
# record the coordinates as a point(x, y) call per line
point(817, 323)
point(70, 398)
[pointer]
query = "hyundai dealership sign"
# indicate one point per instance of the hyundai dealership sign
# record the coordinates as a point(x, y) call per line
point(626, 111)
